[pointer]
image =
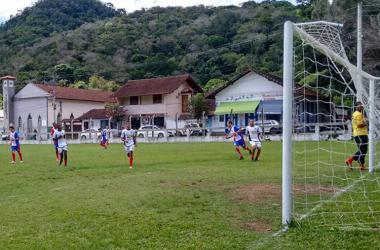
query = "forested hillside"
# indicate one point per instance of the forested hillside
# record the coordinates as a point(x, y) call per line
point(211, 43)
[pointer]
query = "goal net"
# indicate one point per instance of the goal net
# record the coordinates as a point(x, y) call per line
point(321, 88)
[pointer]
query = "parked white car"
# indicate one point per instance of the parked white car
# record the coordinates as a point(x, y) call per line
point(152, 131)
point(90, 133)
point(270, 126)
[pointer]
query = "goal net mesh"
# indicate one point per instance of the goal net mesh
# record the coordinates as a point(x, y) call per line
point(326, 86)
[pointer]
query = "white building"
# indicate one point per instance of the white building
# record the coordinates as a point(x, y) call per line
point(254, 94)
point(35, 107)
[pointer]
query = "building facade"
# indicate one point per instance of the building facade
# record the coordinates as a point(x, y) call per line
point(158, 101)
point(35, 107)
point(257, 95)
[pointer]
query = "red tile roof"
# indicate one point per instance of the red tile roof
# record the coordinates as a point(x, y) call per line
point(94, 114)
point(8, 78)
point(77, 94)
point(156, 86)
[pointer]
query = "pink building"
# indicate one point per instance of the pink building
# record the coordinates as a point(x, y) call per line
point(160, 101)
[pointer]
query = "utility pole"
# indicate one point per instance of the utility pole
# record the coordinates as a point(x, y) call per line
point(359, 50)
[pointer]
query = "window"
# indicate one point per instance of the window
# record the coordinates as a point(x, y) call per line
point(221, 118)
point(133, 100)
point(29, 124)
point(157, 99)
point(185, 103)
point(39, 124)
point(159, 121)
point(19, 123)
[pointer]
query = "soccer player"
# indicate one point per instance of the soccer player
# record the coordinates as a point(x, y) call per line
point(360, 133)
point(15, 144)
point(60, 136)
point(55, 142)
point(128, 137)
point(235, 133)
point(254, 133)
point(104, 140)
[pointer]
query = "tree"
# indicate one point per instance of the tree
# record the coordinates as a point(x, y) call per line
point(98, 82)
point(199, 106)
point(64, 72)
point(115, 111)
point(213, 84)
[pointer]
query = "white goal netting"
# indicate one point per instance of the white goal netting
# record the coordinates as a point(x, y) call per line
point(326, 87)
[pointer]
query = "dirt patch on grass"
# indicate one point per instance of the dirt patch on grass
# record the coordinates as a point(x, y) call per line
point(258, 226)
point(261, 192)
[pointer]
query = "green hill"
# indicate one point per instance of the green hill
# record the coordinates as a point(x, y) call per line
point(89, 38)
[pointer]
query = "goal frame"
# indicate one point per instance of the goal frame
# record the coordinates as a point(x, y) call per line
point(291, 29)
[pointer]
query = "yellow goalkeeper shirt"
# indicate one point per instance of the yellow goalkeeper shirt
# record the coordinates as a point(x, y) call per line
point(358, 118)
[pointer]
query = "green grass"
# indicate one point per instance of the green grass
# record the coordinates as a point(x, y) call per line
point(178, 196)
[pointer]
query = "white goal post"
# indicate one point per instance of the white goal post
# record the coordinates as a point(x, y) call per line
point(322, 37)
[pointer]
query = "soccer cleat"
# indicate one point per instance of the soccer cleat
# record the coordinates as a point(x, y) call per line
point(241, 158)
point(362, 167)
point(21, 162)
point(256, 159)
point(13, 162)
point(349, 162)
point(130, 167)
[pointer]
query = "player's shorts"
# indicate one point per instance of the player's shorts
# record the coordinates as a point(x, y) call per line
point(256, 144)
point(240, 143)
point(129, 148)
point(15, 148)
point(64, 148)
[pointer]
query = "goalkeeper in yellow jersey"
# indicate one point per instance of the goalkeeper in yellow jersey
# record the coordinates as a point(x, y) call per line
point(360, 133)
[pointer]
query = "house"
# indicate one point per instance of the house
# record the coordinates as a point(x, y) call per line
point(160, 101)
point(96, 119)
point(254, 94)
point(36, 106)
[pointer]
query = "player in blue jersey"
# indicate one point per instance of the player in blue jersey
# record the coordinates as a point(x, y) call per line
point(236, 133)
point(14, 141)
point(104, 140)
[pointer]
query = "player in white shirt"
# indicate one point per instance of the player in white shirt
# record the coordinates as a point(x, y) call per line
point(128, 137)
point(254, 133)
point(60, 136)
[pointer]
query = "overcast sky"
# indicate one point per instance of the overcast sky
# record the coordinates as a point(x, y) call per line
point(10, 7)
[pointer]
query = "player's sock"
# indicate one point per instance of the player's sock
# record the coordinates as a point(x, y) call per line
point(19, 155)
point(13, 156)
point(131, 161)
point(238, 151)
point(65, 162)
point(57, 155)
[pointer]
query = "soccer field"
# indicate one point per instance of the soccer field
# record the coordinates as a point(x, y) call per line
point(178, 196)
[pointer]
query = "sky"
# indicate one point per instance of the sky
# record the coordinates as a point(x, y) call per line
point(8, 7)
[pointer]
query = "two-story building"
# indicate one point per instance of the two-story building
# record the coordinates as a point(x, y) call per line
point(160, 101)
